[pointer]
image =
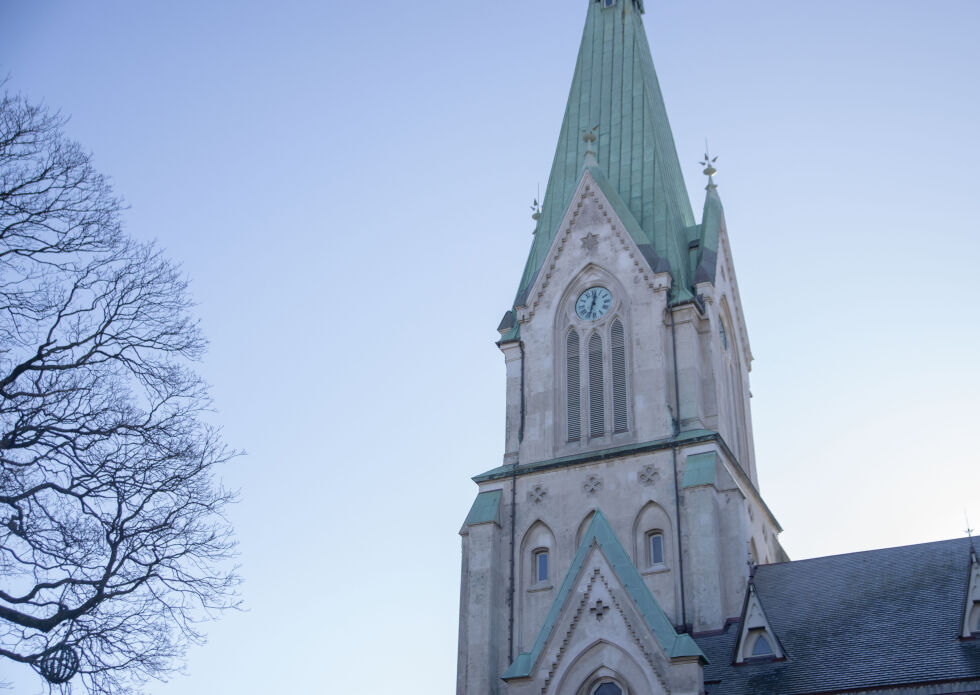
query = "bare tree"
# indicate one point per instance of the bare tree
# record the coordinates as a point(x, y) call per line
point(112, 541)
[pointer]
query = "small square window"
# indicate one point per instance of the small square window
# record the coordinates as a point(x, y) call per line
point(655, 548)
point(608, 3)
point(541, 566)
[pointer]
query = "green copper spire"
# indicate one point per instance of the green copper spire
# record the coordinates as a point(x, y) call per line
point(615, 88)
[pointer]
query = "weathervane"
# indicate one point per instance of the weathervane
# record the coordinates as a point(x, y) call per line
point(709, 167)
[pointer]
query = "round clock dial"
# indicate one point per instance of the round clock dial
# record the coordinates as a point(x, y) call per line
point(593, 303)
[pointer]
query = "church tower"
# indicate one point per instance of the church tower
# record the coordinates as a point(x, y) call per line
point(626, 513)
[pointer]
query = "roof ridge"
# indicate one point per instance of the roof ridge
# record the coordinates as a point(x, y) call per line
point(862, 552)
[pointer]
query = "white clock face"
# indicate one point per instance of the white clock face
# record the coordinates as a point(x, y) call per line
point(593, 303)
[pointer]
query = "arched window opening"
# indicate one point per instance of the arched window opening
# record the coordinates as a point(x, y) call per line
point(597, 411)
point(762, 647)
point(540, 566)
point(723, 334)
point(620, 412)
point(573, 405)
point(655, 548)
point(608, 689)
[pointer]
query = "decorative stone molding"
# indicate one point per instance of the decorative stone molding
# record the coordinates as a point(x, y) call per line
point(599, 609)
point(537, 494)
point(648, 476)
point(657, 282)
point(590, 241)
point(592, 484)
point(644, 648)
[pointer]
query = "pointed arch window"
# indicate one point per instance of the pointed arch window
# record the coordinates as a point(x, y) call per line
point(608, 688)
point(762, 647)
point(597, 409)
point(573, 400)
point(620, 412)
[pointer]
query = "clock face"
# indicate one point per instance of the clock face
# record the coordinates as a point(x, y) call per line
point(593, 303)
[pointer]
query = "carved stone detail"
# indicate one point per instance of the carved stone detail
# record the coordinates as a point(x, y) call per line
point(592, 484)
point(649, 475)
point(537, 494)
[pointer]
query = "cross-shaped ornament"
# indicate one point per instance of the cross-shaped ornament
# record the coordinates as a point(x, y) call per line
point(592, 484)
point(599, 609)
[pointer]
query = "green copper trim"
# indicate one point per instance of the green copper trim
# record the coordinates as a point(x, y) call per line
point(615, 87)
point(699, 469)
point(601, 534)
point(485, 509)
point(683, 438)
point(712, 223)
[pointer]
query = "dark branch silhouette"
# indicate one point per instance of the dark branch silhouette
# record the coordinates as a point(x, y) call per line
point(112, 541)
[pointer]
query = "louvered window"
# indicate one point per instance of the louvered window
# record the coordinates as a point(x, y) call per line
point(573, 402)
point(597, 411)
point(620, 420)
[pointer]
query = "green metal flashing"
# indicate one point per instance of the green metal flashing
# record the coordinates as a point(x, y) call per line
point(601, 534)
point(712, 222)
point(615, 86)
point(686, 647)
point(657, 264)
point(485, 509)
point(700, 469)
point(688, 437)
point(511, 336)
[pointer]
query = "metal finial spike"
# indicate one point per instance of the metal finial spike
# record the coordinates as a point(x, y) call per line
point(709, 167)
point(969, 532)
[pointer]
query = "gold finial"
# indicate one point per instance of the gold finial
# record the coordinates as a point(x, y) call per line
point(709, 167)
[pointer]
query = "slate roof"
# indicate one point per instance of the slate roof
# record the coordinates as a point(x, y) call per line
point(863, 620)
point(615, 87)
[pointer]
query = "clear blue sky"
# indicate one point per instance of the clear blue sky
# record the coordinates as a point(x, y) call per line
point(348, 186)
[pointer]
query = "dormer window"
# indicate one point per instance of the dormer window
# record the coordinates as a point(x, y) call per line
point(757, 640)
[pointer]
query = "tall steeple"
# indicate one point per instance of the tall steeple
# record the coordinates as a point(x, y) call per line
point(615, 90)
point(619, 519)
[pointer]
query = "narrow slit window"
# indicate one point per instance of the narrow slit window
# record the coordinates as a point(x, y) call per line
point(655, 548)
point(620, 412)
point(541, 566)
point(597, 410)
point(573, 404)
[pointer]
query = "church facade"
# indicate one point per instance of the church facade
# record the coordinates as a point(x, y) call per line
point(623, 547)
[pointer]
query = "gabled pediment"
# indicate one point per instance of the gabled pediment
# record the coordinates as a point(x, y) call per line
point(603, 600)
point(597, 215)
point(756, 639)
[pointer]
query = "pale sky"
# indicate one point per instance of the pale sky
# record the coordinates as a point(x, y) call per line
point(347, 184)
